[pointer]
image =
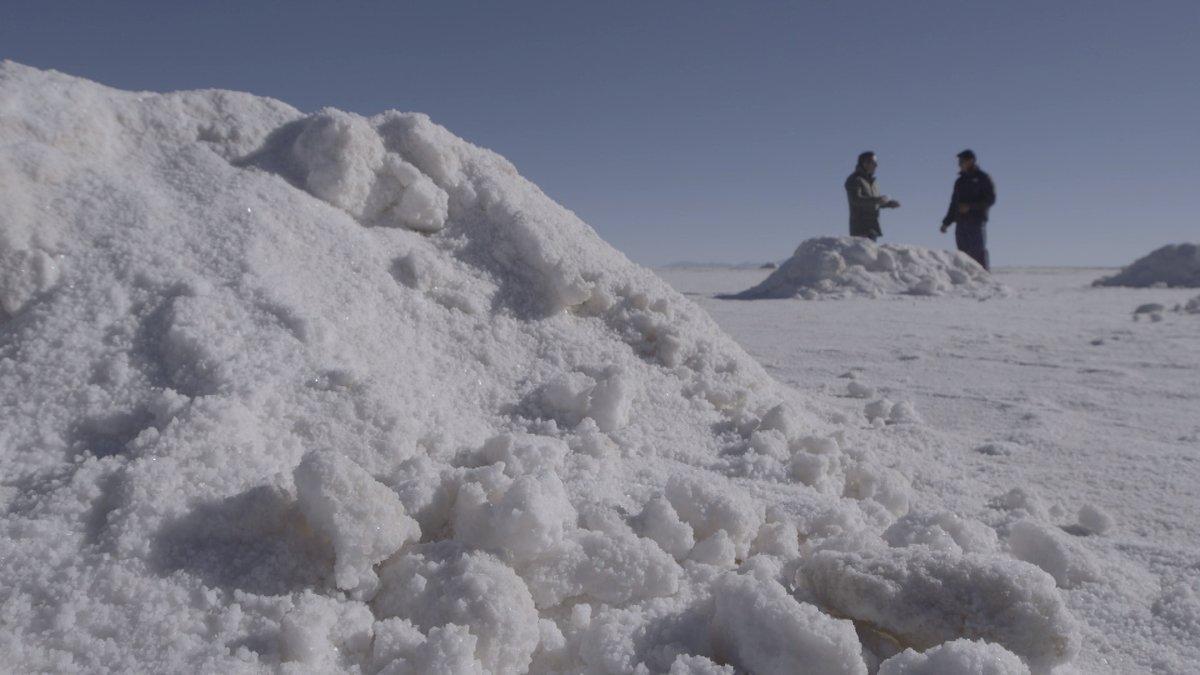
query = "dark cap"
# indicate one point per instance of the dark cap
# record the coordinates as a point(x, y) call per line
point(864, 156)
point(967, 154)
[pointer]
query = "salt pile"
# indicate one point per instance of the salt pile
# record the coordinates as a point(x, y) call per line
point(325, 393)
point(1174, 265)
point(838, 267)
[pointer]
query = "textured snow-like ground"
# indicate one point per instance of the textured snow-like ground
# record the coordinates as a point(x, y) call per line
point(1056, 391)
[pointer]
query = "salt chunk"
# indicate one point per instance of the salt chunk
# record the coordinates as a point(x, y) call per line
point(781, 418)
point(304, 634)
point(709, 506)
point(904, 412)
point(757, 627)
point(777, 539)
point(717, 549)
point(363, 518)
point(869, 480)
point(344, 162)
point(878, 410)
point(924, 598)
point(24, 275)
point(339, 153)
point(659, 522)
point(608, 568)
point(1095, 520)
point(611, 400)
point(518, 521)
point(856, 389)
point(524, 453)
point(435, 585)
point(1021, 503)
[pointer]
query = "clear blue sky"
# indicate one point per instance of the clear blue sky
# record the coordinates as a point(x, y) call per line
point(724, 130)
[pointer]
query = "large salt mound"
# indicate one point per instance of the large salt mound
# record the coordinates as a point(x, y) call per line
point(325, 393)
point(849, 266)
point(1174, 265)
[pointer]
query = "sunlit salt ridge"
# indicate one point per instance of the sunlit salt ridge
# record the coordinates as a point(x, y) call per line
point(330, 393)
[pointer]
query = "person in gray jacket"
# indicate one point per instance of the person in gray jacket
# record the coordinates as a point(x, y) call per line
point(865, 200)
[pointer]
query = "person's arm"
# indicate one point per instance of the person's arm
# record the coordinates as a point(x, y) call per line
point(952, 211)
point(860, 195)
point(989, 193)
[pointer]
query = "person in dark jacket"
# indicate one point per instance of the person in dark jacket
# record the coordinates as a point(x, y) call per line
point(865, 200)
point(974, 194)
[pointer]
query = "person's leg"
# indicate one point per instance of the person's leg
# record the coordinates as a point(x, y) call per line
point(983, 252)
point(970, 238)
point(962, 238)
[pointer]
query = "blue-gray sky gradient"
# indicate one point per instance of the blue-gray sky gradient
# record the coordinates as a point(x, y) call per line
point(721, 130)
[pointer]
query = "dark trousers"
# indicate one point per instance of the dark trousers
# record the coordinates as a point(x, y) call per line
point(972, 240)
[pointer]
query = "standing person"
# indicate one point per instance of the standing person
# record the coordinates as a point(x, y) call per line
point(865, 200)
point(974, 194)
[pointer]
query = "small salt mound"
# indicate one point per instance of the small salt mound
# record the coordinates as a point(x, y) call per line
point(943, 531)
point(698, 665)
point(1051, 550)
point(1153, 309)
point(836, 267)
point(1192, 306)
point(1020, 503)
point(961, 657)
point(1173, 265)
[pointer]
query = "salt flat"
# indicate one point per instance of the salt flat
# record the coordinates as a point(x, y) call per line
point(1055, 390)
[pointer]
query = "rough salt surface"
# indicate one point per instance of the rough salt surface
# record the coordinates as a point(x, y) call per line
point(328, 393)
point(829, 267)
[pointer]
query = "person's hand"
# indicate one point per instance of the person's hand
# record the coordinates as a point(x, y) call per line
point(891, 204)
point(964, 208)
point(945, 226)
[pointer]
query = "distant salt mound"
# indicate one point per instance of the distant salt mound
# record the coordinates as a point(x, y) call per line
point(838, 267)
point(287, 392)
point(1173, 266)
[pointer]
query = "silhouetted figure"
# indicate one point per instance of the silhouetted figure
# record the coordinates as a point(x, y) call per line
point(865, 200)
point(974, 195)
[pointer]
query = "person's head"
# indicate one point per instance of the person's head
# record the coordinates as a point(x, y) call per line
point(966, 160)
point(867, 162)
